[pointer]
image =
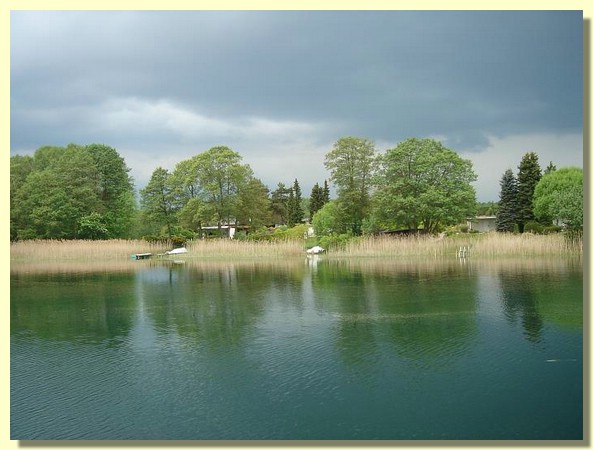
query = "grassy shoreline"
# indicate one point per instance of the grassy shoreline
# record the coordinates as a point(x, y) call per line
point(487, 245)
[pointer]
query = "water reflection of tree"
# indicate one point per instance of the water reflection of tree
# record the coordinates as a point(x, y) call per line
point(536, 295)
point(519, 303)
point(87, 308)
point(219, 304)
point(427, 313)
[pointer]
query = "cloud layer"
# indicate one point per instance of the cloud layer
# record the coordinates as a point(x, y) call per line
point(281, 87)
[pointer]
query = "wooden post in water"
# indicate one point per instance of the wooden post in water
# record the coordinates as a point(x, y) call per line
point(462, 252)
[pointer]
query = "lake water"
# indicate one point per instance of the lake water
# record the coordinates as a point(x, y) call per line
point(300, 349)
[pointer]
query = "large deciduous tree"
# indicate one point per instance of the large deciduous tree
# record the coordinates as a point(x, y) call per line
point(116, 191)
point(158, 200)
point(72, 192)
point(423, 184)
point(559, 196)
point(352, 163)
point(529, 175)
point(253, 207)
point(506, 217)
point(62, 189)
point(221, 176)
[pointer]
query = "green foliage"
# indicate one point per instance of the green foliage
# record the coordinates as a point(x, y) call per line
point(254, 206)
point(92, 227)
point(527, 179)
point(550, 168)
point(283, 233)
point(279, 204)
point(422, 183)
point(59, 190)
point(533, 227)
point(559, 196)
point(506, 217)
point(335, 241)
point(352, 163)
point(158, 201)
point(327, 220)
point(319, 197)
point(221, 177)
point(295, 208)
point(487, 208)
point(51, 201)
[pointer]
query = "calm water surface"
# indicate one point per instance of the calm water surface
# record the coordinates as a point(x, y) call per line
point(304, 349)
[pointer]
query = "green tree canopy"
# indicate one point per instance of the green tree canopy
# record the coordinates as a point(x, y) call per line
point(62, 188)
point(326, 221)
point(157, 200)
point(559, 196)
point(116, 190)
point(254, 206)
point(352, 163)
point(423, 183)
point(71, 192)
point(221, 177)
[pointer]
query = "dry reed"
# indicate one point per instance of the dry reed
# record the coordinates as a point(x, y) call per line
point(482, 245)
point(476, 245)
point(44, 250)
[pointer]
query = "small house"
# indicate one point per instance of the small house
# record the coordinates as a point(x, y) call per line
point(482, 224)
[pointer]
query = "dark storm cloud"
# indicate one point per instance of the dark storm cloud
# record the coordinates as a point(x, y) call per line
point(386, 73)
point(137, 77)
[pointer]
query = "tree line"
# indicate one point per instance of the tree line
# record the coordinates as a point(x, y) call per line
point(540, 202)
point(86, 192)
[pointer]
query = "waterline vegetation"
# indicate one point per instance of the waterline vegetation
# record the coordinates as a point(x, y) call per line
point(486, 245)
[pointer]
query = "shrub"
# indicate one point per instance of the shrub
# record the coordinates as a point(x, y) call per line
point(335, 241)
point(533, 227)
point(550, 229)
point(463, 228)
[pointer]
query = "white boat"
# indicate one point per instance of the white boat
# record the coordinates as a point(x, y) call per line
point(176, 251)
point(315, 250)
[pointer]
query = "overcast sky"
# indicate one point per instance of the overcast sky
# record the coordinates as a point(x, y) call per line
point(281, 87)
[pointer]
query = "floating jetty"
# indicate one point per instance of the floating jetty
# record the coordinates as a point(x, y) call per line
point(141, 255)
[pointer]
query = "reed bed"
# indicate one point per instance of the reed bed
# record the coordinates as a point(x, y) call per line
point(83, 250)
point(54, 250)
point(483, 245)
point(224, 248)
point(475, 245)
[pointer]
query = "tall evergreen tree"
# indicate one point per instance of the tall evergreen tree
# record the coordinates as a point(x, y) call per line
point(295, 208)
point(529, 175)
point(317, 199)
point(506, 218)
point(325, 193)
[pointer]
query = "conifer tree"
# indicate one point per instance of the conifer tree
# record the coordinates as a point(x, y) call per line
point(551, 168)
point(507, 205)
point(295, 208)
point(280, 199)
point(325, 193)
point(317, 199)
point(527, 178)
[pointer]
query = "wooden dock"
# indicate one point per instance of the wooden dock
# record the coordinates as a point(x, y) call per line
point(141, 255)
